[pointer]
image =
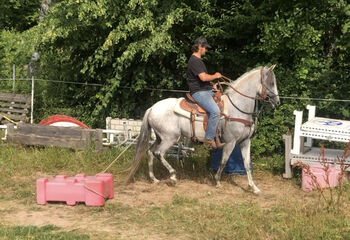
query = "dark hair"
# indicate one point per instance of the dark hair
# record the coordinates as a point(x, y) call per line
point(195, 48)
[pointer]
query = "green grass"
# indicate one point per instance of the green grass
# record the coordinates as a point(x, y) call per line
point(245, 221)
point(198, 220)
point(184, 217)
point(21, 166)
point(47, 232)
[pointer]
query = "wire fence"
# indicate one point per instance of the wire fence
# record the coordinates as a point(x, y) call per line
point(169, 90)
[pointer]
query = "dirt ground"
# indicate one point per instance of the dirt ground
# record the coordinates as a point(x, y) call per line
point(98, 223)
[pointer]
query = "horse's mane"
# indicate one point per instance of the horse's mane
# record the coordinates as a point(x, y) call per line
point(238, 80)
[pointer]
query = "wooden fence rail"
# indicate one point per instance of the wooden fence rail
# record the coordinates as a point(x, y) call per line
point(67, 137)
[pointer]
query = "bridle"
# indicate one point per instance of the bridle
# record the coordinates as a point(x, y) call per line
point(263, 97)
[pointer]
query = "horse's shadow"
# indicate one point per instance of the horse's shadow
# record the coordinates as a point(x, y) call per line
point(230, 178)
point(231, 181)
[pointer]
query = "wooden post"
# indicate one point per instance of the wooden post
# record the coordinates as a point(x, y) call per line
point(287, 156)
point(98, 139)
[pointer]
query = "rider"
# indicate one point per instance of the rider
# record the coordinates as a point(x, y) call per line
point(198, 81)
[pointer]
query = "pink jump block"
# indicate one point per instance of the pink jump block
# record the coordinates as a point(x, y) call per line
point(93, 190)
point(320, 175)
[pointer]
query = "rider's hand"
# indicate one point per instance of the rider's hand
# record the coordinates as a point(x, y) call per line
point(218, 75)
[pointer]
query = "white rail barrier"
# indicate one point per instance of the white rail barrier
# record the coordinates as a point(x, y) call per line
point(121, 131)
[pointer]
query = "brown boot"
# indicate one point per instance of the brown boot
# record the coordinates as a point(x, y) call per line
point(211, 143)
point(218, 143)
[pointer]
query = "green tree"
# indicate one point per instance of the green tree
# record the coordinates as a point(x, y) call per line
point(19, 15)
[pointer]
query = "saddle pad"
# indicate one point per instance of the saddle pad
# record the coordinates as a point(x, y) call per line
point(187, 114)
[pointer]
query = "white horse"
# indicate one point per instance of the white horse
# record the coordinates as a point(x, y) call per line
point(239, 100)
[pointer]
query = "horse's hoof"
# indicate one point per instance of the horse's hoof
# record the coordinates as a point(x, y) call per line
point(173, 178)
point(258, 192)
point(170, 182)
point(218, 185)
point(155, 181)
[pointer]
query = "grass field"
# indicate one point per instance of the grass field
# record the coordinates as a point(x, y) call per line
point(193, 209)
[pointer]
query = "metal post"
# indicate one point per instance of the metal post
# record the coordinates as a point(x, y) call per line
point(13, 76)
point(32, 102)
point(256, 110)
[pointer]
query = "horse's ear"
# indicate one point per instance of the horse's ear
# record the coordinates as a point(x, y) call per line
point(271, 68)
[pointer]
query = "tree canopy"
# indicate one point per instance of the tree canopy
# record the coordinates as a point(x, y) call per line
point(127, 48)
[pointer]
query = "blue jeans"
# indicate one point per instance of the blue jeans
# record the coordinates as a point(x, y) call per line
point(206, 101)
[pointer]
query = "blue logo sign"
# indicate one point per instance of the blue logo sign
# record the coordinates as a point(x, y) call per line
point(329, 122)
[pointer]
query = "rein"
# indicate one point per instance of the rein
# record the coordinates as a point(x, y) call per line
point(257, 113)
point(264, 95)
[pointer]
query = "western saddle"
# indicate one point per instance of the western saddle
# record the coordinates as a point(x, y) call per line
point(191, 106)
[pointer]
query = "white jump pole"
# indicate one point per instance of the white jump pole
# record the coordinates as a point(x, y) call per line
point(298, 140)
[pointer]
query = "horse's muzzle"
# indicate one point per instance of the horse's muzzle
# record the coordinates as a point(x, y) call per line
point(275, 102)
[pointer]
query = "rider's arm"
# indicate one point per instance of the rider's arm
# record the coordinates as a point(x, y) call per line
point(205, 77)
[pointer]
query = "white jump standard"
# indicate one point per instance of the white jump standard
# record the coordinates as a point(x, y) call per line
point(315, 128)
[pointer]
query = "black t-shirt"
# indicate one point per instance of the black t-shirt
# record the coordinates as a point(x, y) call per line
point(196, 66)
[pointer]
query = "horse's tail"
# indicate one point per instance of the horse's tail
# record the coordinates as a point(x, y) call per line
point(141, 146)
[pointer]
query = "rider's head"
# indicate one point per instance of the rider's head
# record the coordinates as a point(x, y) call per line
point(200, 45)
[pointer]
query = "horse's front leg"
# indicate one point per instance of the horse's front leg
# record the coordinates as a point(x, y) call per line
point(226, 152)
point(245, 148)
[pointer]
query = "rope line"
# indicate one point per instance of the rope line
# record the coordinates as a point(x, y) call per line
point(120, 156)
point(97, 193)
point(171, 90)
point(95, 84)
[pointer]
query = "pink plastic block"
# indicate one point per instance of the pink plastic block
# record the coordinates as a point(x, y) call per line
point(320, 175)
point(93, 190)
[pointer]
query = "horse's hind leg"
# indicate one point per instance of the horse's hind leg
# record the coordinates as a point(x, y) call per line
point(150, 154)
point(245, 148)
point(150, 167)
point(160, 151)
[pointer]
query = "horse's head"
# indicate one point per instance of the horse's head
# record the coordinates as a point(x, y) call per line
point(269, 87)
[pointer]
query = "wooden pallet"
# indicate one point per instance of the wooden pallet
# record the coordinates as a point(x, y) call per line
point(14, 106)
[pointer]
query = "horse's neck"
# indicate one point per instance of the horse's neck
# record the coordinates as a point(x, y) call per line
point(248, 86)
